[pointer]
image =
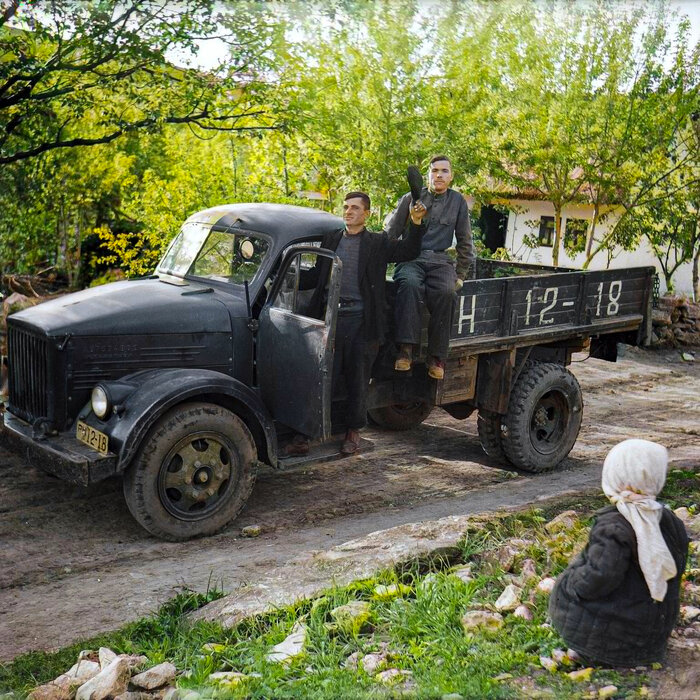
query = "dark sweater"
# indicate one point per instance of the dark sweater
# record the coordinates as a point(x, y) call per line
point(601, 604)
point(376, 250)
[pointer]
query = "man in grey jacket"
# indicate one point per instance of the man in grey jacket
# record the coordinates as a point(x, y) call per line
point(431, 278)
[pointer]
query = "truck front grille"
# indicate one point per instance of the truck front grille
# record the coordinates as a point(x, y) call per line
point(28, 356)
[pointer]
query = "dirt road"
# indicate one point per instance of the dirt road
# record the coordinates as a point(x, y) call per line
point(73, 562)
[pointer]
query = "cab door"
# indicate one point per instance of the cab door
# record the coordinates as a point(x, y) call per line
point(294, 345)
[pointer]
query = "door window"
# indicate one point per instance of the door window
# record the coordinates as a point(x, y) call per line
point(300, 278)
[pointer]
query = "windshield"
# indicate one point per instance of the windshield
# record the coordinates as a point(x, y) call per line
point(217, 255)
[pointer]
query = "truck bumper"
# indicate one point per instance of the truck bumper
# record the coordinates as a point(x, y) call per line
point(60, 455)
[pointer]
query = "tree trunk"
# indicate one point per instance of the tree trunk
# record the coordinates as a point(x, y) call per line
point(557, 235)
point(696, 282)
point(591, 231)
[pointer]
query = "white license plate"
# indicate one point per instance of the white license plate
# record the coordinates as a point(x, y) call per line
point(91, 437)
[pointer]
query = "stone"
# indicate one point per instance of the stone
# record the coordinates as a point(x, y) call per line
point(88, 655)
point(350, 618)
point(548, 663)
point(523, 612)
point(689, 613)
point(109, 682)
point(227, 677)
point(683, 513)
point(452, 696)
point(660, 317)
point(134, 695)
point(463, 573)
point(393, 675)
point(371, 663)
point(352, 661)
point(251, 531)
point(546, 585)
point(83, 670)
point(528, 570)
point(106, 656)
point(64, 687)
point(52, 691)
point(291, 647)
point(509, 599)
point(687, 357)
point(393, 590)
point(134, 660)
point(155, 677)
point(427, 583)
point(563, 522)
point(582, 675)
point(561, 657)
point(481, 619)
point(607, 691)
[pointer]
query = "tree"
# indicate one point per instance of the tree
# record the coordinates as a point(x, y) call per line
point(87, 72)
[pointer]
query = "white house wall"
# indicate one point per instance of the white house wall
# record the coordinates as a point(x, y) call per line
point(525, 212)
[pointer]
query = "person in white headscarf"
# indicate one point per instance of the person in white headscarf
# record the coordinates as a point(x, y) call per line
point(618, 601)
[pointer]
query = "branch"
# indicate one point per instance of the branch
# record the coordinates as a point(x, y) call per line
point(9, 12)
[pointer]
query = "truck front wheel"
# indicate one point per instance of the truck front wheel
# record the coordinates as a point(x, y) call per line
point(401, 416)
point(544, 417)
point(193, 473)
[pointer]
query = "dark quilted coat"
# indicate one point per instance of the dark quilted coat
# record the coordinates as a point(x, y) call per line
point(601, 605)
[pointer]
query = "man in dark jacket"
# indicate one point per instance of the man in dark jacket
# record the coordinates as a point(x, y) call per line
point(432, 278)
point(362, 324)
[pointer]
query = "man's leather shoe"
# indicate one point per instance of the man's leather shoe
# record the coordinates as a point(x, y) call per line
point(298, 447)
point(351, 443)
point(403, 359)
point(436, 368)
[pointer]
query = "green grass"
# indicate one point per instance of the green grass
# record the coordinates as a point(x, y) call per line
point(420, 628)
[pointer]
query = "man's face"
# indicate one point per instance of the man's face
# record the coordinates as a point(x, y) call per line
point(354, 212)
point(440, 176)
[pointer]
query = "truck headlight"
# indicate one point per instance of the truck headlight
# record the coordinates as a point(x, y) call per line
point(101, 405)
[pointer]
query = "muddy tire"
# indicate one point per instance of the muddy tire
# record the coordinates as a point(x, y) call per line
point(544, 417)
point(401, 416)
point(489, 426)
point(193, 472)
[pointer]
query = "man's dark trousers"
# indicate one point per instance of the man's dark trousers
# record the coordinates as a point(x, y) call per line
point(353, 358)
point(429, 279)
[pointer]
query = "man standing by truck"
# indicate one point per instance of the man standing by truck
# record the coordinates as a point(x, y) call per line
point(431, 278)
point(361, 324)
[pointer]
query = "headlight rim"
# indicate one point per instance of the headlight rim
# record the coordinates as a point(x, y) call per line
point(105, 411)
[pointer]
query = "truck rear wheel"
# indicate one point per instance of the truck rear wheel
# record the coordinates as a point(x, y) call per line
point(544, 417)
point(489, 426)
point(401, 416)
point(193, 473)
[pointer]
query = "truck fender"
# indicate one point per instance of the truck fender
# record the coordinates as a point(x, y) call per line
point(157, 391)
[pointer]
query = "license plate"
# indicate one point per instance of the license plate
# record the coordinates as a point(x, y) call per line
point(91, 437)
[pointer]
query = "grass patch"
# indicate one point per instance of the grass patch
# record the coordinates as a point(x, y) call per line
point(413, 625)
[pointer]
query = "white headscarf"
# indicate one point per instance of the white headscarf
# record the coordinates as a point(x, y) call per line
point(633, 474)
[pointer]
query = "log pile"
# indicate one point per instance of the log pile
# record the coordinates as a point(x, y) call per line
point(676, 323)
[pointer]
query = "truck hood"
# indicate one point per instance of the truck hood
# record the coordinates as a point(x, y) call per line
point(136, 307)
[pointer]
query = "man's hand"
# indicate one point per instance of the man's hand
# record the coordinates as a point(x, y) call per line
point(459, 284)
point(418, 211)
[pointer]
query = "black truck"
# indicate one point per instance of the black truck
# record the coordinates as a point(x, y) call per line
point(186, 381)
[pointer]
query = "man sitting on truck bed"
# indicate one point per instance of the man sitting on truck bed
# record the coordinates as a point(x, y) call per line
point(361, 324)
point(431, 277)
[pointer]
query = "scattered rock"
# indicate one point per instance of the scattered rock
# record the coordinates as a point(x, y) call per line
point(573, 655)
point(687, 357)
point(463, 573)
point(52, 691)
point(105, 656)
point(563, 522)
point(371, 663)
point(134, 695)
point(291, 647)
point(548, 663)
point(393, 675)
point(607, 691)
point(428, 582)
point(394, 590)
point(109, 682)
point(350, 618)
point(689, 613)
point(523, 612)
point(227, 677)
point(509, 599)
point(583, 674)
point(352, 661)
point(528, 570)
point(155, 677)
point(483, 619)
point(251, 531)
point(452, 696)
point(546, 585)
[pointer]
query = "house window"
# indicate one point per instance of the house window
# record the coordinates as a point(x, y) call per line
point(575, 235)
point(546, 237)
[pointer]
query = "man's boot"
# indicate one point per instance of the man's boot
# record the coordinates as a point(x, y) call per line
point(436, 367)
point(404, 358)
point(351, 443)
